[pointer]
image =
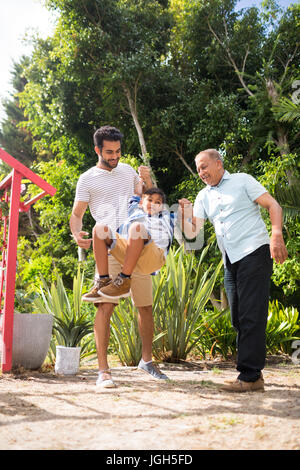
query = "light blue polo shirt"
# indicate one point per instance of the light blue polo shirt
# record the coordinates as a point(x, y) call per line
point(230, 207)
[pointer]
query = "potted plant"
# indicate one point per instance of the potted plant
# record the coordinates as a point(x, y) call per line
point(31, 333)
point(71, 323)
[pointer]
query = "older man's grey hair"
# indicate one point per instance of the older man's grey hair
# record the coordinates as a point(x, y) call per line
point(211, 153)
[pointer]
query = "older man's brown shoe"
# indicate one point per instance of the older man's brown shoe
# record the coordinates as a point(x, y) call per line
point(241, 386)
point(231, 381)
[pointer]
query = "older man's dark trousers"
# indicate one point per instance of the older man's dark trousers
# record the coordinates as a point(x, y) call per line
point(247, 285)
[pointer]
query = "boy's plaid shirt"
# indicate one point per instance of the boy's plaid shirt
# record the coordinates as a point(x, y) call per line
point(160, 226)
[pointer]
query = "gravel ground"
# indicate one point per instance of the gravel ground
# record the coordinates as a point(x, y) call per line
point(42, 411)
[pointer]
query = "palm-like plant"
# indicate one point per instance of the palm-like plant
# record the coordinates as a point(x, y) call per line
point(182, 291)
point(125, 336)
point(287, 110)
point(282, 329)
point(71, 321)
point(289, 198)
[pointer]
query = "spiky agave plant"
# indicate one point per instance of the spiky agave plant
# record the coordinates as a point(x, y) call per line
point(71, 321)
point(181, 292)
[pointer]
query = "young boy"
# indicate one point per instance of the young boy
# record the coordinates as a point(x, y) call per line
point(140, 244)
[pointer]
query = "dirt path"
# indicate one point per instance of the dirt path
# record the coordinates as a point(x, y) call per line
point(45, 411)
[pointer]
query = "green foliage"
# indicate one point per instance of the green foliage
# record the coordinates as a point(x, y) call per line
point(71, 317)
point(276, 176)
point(287, 110)
point(15, 140)
point(283, 328)
point(182, 290)
point(125, 338)
point(185, 322)
point(289, 198)
point(218, 337)
point(24, 301)
point(50, 250)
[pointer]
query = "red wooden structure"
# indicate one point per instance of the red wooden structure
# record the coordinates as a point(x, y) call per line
point(10, 190)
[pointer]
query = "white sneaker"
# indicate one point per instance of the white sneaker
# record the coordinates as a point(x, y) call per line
point(104, 383)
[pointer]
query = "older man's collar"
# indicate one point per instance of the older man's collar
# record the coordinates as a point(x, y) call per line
point(226, 176)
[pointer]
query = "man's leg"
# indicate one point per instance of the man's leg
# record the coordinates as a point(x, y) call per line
point(146, 329)
point(102, 334)
point(253, 283)
point(231, 292)
point(141, 291)
point(247, 285)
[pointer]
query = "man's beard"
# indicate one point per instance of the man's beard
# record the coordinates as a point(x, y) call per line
point(106, 163)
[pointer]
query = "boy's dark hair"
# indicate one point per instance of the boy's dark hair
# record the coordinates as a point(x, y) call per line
point(156, 191)
point(106, 133)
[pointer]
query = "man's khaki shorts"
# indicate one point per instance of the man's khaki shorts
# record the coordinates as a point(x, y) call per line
point(151, 259)
point(141, 285)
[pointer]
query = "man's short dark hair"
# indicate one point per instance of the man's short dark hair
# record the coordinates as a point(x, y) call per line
point(106, 133)
point(155, 190)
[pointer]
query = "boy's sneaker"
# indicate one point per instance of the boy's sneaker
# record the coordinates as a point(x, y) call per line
point(117, 288)
point(93, 295)
point(152, 369)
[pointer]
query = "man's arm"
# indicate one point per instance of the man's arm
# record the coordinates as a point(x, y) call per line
point(277, 246)
point(191, 227)
point(78, 211)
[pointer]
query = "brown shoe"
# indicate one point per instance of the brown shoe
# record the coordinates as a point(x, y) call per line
point(233, 381)
point(117, 288)
point(93, 295)
point(241, 386)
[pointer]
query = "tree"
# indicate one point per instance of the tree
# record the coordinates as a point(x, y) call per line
point(104, 55)
point(17, 141)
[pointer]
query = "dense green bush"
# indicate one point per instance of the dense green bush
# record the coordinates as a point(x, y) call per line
point(185, 321)
point(283, 328)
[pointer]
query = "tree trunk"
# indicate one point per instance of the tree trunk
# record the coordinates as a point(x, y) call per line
point(134, 114)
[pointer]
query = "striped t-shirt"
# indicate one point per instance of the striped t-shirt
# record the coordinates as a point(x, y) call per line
point(108, 193)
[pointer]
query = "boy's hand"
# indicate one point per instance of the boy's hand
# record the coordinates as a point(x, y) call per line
point(185, 209)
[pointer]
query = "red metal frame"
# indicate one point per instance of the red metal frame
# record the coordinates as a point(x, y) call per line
point(11, 187)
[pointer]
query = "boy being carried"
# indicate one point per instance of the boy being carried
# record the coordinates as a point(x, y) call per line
point(140, 244)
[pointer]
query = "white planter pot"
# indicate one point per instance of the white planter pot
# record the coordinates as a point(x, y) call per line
point(31, 339)
point(67, 360)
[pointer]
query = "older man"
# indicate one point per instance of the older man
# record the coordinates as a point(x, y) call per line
point(231, 203)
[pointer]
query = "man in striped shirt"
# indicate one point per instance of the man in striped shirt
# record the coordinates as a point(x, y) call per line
point(106, 189)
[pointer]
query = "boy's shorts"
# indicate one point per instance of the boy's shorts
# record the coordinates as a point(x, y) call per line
point(151, 259)
point(141, 286)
